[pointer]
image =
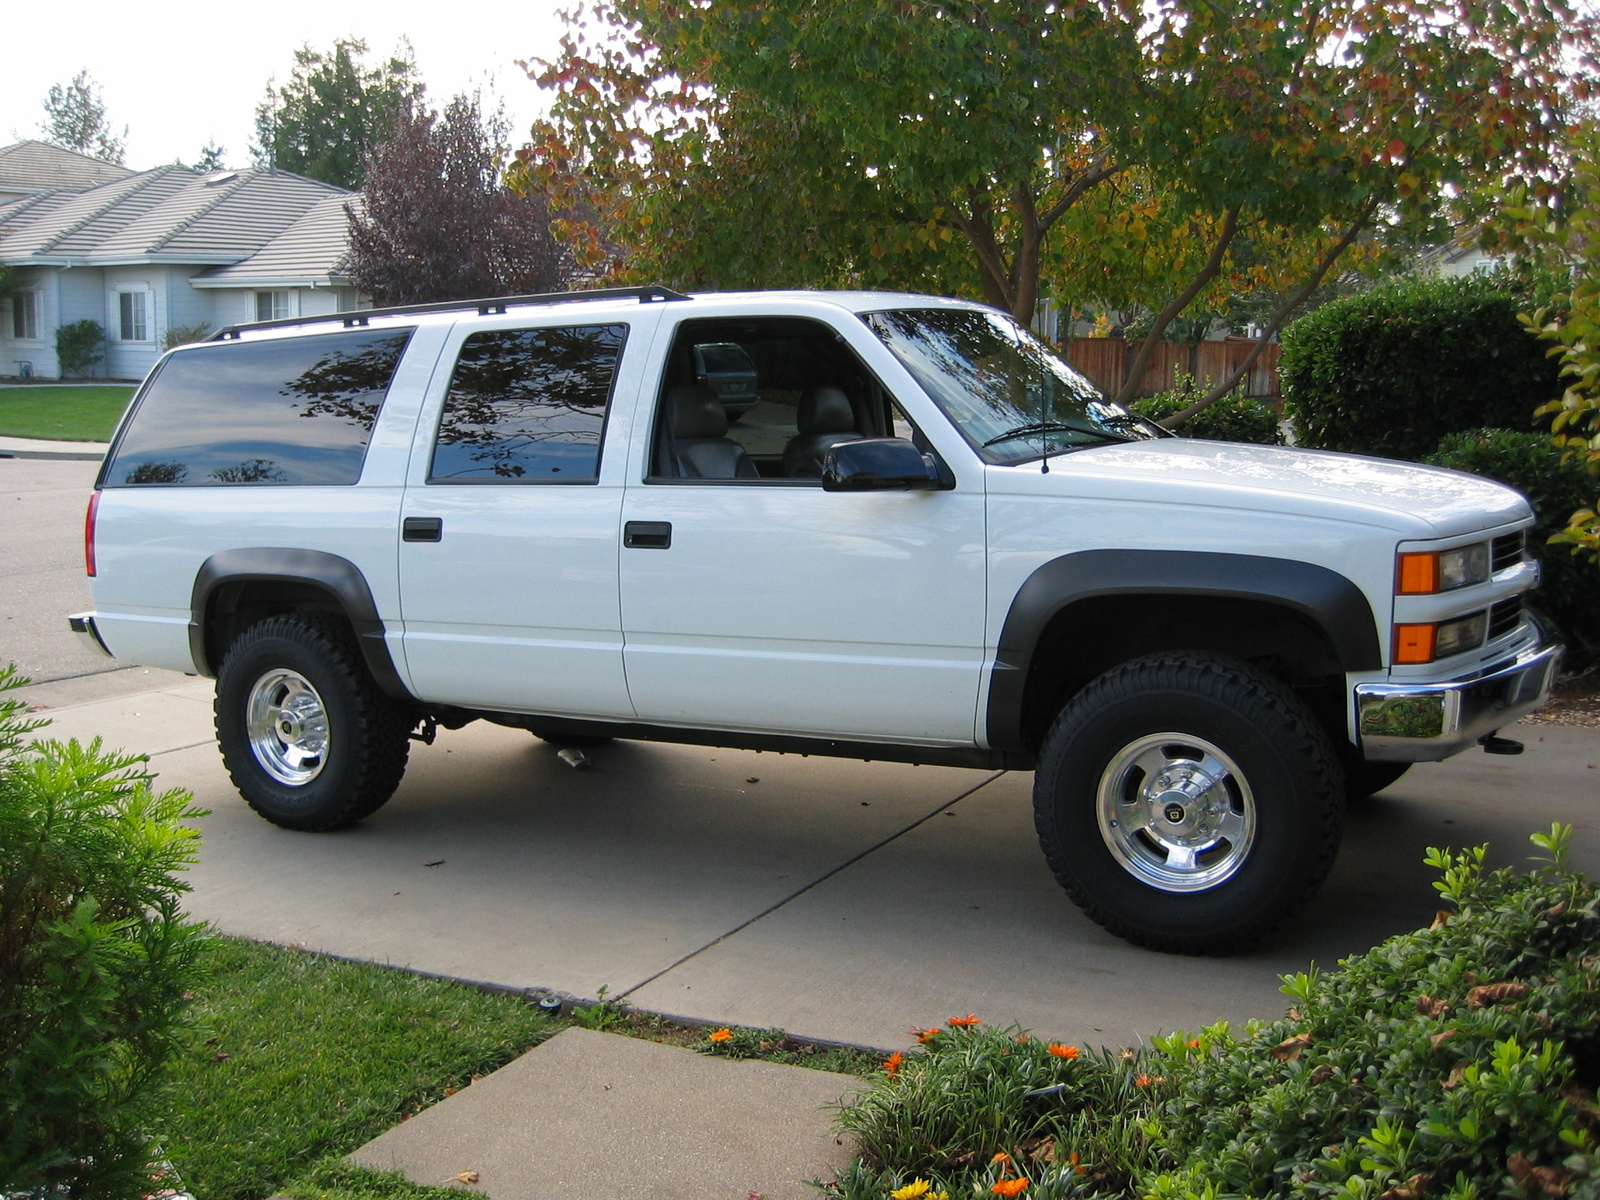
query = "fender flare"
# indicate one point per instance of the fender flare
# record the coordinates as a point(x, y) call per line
point(340, 578)
point(1327, 599)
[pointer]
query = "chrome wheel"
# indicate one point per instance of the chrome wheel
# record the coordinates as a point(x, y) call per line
point(1176, 812)
point(287, 724)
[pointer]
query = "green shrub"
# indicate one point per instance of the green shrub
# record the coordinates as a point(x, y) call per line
point(1234, 418)
point(1531, 463)
point(1390, 370)
point(183, 335)
point(1456, 1062)
point(95, 961)
point(80, 347)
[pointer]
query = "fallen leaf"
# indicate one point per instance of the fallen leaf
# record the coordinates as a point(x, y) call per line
point(221, 1056)
point(752, 779)
point(466, 1177)
point(1493, 993)
point(438, 862)
point(1457, 1073)
point(1554, 911)
point(1412, 1189)
point(1431, 1006)
point(1440, 919)
point(1321, 1075)
point(1441, 1038)
point(1289, 1049)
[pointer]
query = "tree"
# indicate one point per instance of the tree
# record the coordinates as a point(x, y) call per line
point(211, 157)
point(326, 120)
point(1102, 149)
point(435, 221)
point(75, 117)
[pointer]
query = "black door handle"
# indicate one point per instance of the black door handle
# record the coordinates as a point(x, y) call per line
point(421, 529)
point(647, 535)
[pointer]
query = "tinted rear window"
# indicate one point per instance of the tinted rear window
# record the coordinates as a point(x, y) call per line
point(289, 411)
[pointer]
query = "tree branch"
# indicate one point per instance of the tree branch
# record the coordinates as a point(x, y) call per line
point(1281, 314)
point(1175, 306)
point(1098, 172)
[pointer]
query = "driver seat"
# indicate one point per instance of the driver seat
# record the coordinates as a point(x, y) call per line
point(824, 418)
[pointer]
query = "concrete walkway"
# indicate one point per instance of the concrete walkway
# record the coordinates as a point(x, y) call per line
point(11, 447)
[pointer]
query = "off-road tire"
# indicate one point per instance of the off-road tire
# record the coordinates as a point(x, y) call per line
point(1283, 756)
point(366, 739)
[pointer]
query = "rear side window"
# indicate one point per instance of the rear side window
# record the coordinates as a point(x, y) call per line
point(289, 411)
point(528, 406)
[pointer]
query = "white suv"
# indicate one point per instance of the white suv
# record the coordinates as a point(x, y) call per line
point(925, 539)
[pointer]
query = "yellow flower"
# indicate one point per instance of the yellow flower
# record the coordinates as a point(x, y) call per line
point(915, 1190)
point(722, 1035)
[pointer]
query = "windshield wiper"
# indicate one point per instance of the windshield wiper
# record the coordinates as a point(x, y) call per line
point(1038, 427)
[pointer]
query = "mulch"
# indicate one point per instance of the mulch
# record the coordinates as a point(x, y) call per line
point(1575, 700)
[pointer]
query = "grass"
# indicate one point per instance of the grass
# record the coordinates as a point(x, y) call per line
point(67, 413)
point(297, 1059)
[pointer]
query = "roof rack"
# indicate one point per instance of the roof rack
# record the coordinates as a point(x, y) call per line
point(490, 306)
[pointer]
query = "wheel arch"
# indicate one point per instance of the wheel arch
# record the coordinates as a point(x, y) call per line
point(236, 588)
point(1310, 623)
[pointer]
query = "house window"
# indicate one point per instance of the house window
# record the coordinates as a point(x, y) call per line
point(25, 316)
point(272, 306)
point(132, 317)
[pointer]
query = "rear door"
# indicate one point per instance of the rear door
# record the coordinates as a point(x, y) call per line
point(508, 551)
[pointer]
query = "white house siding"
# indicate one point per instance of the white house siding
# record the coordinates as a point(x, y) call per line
point(133, 359)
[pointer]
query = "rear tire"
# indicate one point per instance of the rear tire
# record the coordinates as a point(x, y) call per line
point(307, 737)
point(1189, 803)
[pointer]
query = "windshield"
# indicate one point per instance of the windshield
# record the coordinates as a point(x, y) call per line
point(1007, 392)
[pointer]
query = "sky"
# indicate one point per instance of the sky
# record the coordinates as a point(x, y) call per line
point(179, 73)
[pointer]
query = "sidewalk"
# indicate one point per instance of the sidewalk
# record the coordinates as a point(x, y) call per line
point(11, 447)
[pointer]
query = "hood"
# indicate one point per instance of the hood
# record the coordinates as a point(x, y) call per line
point(1420, 502)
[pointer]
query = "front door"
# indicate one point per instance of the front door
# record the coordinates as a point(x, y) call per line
point(760, 602)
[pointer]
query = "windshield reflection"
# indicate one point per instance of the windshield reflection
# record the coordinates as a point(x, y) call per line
point(1011, 397)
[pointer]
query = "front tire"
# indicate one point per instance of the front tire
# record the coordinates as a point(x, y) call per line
point(307, 737)
point(1189, 803)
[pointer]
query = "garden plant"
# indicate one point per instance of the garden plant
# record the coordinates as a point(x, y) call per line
point(1457, 1062)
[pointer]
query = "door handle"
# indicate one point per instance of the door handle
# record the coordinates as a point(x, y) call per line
point(647, 535)
point(421, 529)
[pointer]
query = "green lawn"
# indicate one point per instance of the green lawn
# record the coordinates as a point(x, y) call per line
point(68, 413)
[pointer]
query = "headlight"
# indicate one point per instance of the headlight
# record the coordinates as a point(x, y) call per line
point(1424, 643)
point(1441, 570)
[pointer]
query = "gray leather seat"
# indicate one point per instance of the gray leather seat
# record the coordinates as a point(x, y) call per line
point(825, 418)
point(694, 445)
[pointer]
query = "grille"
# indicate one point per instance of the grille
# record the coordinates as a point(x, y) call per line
point(1504, 617)
point(1507, 550)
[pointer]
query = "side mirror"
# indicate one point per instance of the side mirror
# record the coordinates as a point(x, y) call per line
point(880, 465)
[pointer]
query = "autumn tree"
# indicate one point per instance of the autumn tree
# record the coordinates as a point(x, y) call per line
point(332, 112)
point(75, 117)
point(435, 221)
point(997, 148)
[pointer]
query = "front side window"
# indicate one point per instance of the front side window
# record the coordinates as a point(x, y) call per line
point(273, 306)
point(1012, 398)
point(528, 406)
point(25, 316)
point(132, 323)
point(295, 410)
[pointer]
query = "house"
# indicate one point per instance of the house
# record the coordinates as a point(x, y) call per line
point(31, 168)
point(148, 253)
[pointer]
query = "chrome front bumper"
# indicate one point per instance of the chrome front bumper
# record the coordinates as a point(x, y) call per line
point(1426, 722)
point(82, 624)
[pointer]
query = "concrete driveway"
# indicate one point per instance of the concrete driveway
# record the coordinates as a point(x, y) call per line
point(835, 899)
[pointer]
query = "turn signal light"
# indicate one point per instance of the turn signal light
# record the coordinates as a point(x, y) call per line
point(1413, 643)
point(1417, 575)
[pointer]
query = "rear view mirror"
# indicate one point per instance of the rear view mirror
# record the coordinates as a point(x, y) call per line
point(879, 465)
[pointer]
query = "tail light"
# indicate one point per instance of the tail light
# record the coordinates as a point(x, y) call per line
point(88, 533)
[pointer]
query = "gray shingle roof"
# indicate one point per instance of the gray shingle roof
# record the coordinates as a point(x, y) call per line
point(314, 248)
point(40, 167)
point(170, 214)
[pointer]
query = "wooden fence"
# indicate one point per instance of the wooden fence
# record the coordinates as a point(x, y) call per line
point(1106, 360)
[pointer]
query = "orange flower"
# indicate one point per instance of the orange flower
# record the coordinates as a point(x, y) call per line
point(722, 1035)
point(1193, 1043)
point(964, 1022)
point(1061, 1051)
point(925, 1035)
point(1001, 1157)
point(1141, 1081)
point(891, 1065)
point(1073, 1159)
point(1009, 1187)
